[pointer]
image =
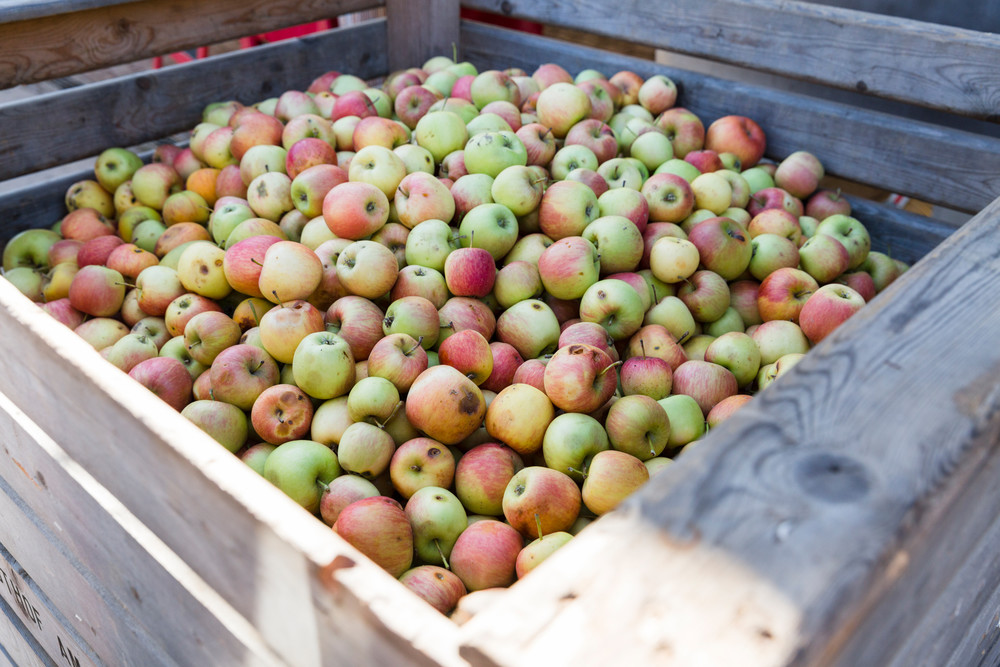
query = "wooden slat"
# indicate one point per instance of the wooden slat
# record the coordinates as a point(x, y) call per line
point(54, 634)
point(773, 539)
point(18, 647)
point(982, 15)
point(62, 44)
point(922, 63)
point(122, 577)
point(903, 235)
point(420, 30)
point(148, 106)
point(314, 599)
point(943, 166)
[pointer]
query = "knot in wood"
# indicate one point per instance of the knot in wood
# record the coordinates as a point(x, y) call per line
point(833, 478)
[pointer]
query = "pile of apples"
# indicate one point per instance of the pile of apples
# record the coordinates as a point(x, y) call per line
point(460, 315)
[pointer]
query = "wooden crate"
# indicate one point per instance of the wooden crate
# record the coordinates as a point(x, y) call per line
point(847, 516)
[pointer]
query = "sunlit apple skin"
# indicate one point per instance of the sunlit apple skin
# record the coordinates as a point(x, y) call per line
point(739, 135)
point(167, 378)
point(378, 528)
point(283, 327)
point(518, 417)
point(437, 586)
point(611, 477)
point(97, 290)
point(241, 373)
point(783, 293)
point(281, 413)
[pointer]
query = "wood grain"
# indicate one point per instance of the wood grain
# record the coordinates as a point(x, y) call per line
point(18, 647)
point(124, 577)
point(922, 63)
point(419, 30)
point(55, 45)
point(773, 538)
point(149, 106)
point(314, 599)
point(929, 162)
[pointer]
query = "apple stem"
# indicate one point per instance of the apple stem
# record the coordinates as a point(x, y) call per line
point(642, 346)
point(420, 341)
point(253, 311)
point(579, 472)
point(388, 419)
point(614, 364)
point(255, 261)
point(125, 284)
point(275, 293)
point(444, 559)
point(649, 441)
point(454, 52)
point(538, 525)
point(683, 337)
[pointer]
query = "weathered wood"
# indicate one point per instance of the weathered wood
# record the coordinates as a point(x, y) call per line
point(981, 15)
point(314, 599)
point(900, 155)
point(55, 45)
point(123, 577)
point(39, 616)
point(148, 106)
point(420, 30)
point(18, 647)
point(922, 63)
point(772, 540)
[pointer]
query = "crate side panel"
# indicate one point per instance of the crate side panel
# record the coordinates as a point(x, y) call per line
point(921, 63)
point(785, 525)
point(18, 647)
point(151, 106)
point(137, 585)
point(939, 165)
point(60, 44)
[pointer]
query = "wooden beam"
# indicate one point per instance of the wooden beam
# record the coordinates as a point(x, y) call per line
point(945, 166)
point(419, 30)
point(153, 105)
point(42, 45)
point(925, 64)
point(776, 537)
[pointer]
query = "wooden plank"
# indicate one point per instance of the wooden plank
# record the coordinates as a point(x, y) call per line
point(420, 30)
point(957, 169)
point(982, 15)
point(943, 608)
point(55, 45)
point(54, 634)
point(18, 648)
point(134, 584)
point(773, 539)
point(314, 599)
point(149, 106)
point(921, 63)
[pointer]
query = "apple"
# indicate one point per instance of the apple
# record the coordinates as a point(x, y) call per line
point(437, 586)
point(770, 253)
point(492, 151)
point(517, 281)
point(419, 463)
point(224, 422)
point(470, 272)
point(684, 129)
point(536, 552)
point(460, 312)
point(706, 382)
point(615, 305)
point(567, 207)
point(445, 405)
point(283, 328)
point(777, 338)
point(647, 375)
point(611, 477)
point(827, 308)
point(290, 271)
point(824, 258)
point(167, 378)
point(441, 132)
point(420, 196)
point(724, 246)
point(800, 174)
point(365, 449)
point(340, 492)
point(518, 417)
point(638, 425)
point(367, 269)
point(774, 198)
point(485, 555)
point(469, 352)
point(705, 160)
point(490, 226)
point(739, 135)
point(562, 105)
point(438, 518)
point(571, 157)
point(569, 266)
point(398, 358)
point(618, 242)
point(378, 528)
point(783, 293)
point(539, 143)
point(200, 269)
point(687, 422)
point(539, 501)
point(580, 378)
point(97, 291)
point(670, 197)
point(824, 203)
point(851, 233)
